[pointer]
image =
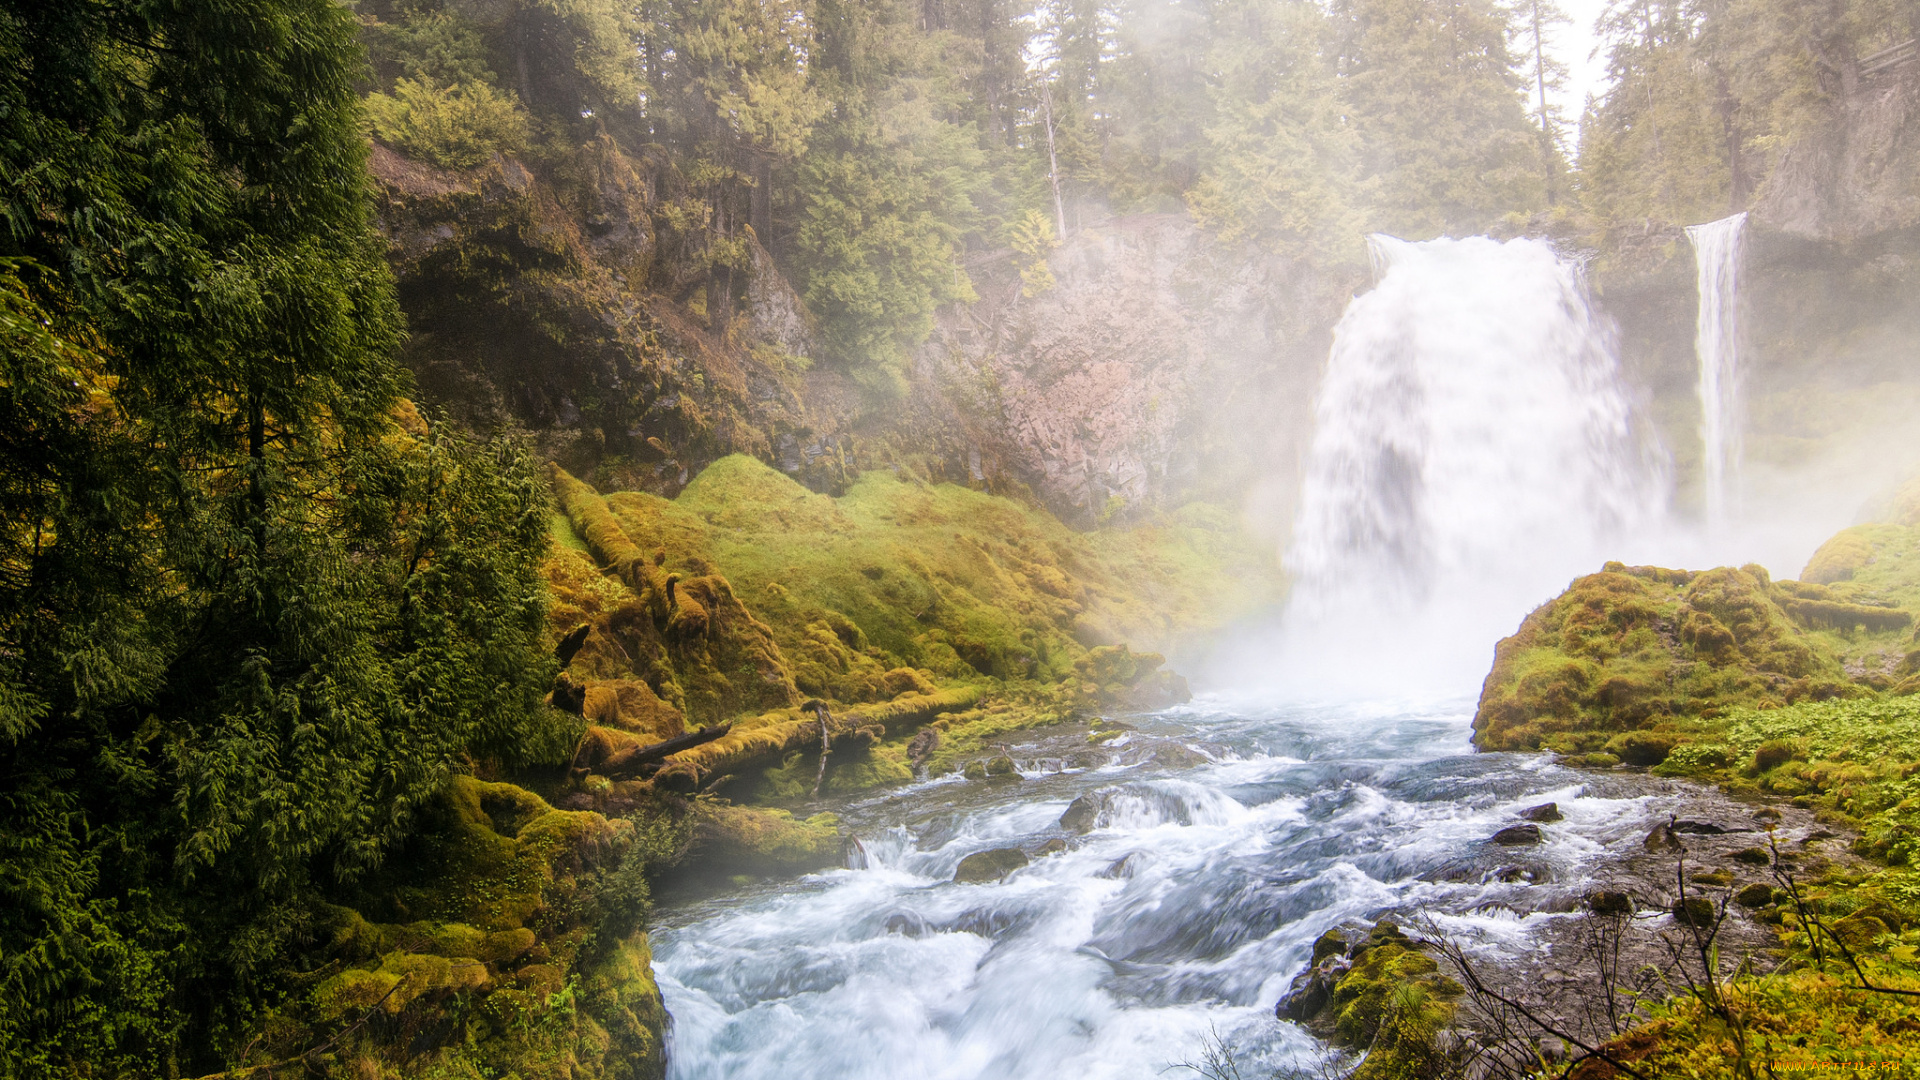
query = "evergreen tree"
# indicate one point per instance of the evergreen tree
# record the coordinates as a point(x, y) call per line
point(1280, 154)
point(1432, 90)
point(888, 187)
point(250, 622)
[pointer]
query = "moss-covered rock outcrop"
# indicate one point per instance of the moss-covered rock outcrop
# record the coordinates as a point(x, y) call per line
point(750, 600)
point(1630, 660)
point(508, 938)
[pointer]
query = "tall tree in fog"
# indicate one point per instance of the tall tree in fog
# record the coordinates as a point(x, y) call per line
point(888, 185)
point(1280, 154)
point(1546, 74)
point(1434, 97)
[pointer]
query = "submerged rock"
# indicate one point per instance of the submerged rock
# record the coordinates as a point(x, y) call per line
point(992, 865)
point(1517, 835)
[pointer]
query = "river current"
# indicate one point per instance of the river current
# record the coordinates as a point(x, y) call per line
point(1229, 836)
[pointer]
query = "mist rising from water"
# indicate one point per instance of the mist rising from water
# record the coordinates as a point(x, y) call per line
point(1474, 450)
point(1717, 249)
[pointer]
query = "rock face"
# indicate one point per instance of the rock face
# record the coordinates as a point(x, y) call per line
point(549, 298)
point(1855, 176)
point(1157, 369)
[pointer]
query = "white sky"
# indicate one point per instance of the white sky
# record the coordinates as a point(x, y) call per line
point(1586, 71)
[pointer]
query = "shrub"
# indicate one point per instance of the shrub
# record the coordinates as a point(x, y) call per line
point(455, 127)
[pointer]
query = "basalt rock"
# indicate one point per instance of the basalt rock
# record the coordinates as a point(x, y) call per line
point(992, 865)
point(1081, 815)
point(1517, 835)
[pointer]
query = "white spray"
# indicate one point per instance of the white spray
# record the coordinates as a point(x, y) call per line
point(1473, 451)
point(1716, 341)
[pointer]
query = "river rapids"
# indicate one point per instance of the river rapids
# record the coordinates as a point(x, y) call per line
point(1229, 836)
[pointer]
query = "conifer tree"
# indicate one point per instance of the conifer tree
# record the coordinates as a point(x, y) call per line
point(253, 612)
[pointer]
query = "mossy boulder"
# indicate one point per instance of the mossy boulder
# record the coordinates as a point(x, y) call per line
point(1626, 660)
point(1393, 1002)
point(744, 839)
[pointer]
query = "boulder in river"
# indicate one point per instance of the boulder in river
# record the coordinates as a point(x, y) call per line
point(1517, 835)
point(992, 865)
point(1081, 815)
point(1609, 902)
point(1545, 813)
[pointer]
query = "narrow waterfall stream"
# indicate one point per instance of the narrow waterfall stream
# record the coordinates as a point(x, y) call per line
point(1228, 837)
point(1716, 249)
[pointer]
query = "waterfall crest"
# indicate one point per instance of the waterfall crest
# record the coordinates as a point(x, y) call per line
point(1716, 341)
point(1474, 449)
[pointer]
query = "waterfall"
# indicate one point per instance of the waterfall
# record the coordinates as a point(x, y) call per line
point(1716, 341)
point(1474, 449)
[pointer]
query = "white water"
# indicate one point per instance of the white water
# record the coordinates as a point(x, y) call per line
point(1716, 251)
point(1474, 449)
point(1228, 839)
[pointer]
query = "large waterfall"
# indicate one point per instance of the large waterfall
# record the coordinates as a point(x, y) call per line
point(1716, 251)
point(1474, 449)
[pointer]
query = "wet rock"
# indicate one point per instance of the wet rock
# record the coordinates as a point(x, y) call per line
point(1002, 768)
point(1699, 828)
point(1336, 942)
point(1545, 813)
point(1052, 847)
point(1662, 838)
point(1754, 895)
point(1519, 874)
point(1517, 835)
point(1081, 815)
point(1752, 856)
point(923, 746)
point(906, 924)
point(1609, 902)
point(992, 865)
point(1312, 989)
point(1122, 867)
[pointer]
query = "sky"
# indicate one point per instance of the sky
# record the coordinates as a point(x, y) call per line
point(1575, 44)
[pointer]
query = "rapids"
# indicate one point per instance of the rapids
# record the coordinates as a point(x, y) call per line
point(1229, 836)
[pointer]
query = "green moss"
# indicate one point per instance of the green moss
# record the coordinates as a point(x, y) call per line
point(1633, 660)
point(736, 839)
point(1393, 1003)
point(748, 592)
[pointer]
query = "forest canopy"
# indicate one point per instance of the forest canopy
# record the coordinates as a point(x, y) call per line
point(878, 148)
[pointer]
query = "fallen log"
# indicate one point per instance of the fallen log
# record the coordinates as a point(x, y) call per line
point(767, 739)
point(629, 760)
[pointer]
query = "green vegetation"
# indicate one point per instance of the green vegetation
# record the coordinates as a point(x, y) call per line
point(1393, 1004)
point(1800, 690)
point(455, 127)
point(260, 622)
point(897, 604)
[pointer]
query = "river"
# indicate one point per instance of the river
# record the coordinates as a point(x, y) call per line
point(1229, 836)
